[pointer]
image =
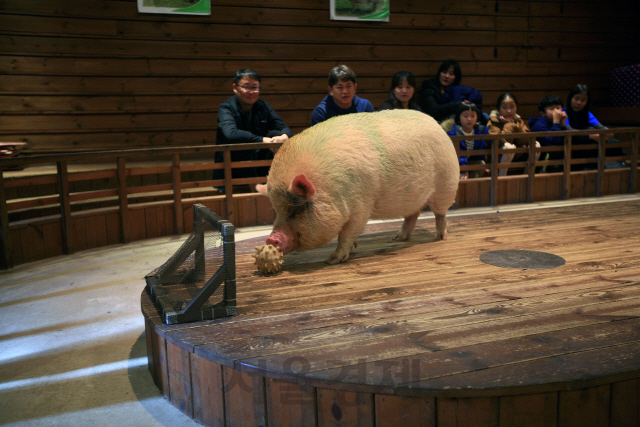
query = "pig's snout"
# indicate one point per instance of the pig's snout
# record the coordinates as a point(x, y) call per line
point(275, 240)
point(281, 241)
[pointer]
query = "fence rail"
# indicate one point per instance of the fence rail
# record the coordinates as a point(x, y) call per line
point(60, 203)
point(630, 158)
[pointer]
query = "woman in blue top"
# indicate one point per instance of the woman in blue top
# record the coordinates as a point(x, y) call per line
point(578, 114)
point(466, 123)
point(579, 117)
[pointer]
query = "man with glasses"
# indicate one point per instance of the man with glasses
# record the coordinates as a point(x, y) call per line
point(245, 118)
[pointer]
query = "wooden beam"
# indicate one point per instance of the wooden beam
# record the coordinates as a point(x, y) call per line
point(633, 176)
point(178, 217)
point(6, 252)
point(531, 170)
point(65, 208)
point(494, 172)
point(601, 159)
point(228, 186)
point(124, 202)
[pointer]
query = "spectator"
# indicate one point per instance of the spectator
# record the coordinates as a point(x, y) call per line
point(442, 95)
point(505, 120)
point(246, 118)
point(579, 117)
point(342, 97)
point(402, 93)
point(552, 118)
point(466, 123)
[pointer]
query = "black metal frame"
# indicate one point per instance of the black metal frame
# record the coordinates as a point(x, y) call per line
point(226, 273)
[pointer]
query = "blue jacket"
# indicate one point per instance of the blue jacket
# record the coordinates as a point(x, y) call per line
point(328, 108)
point(479, 144)
point(460, 93)
point(542, 124)
point(442, 106)
point(592, 122)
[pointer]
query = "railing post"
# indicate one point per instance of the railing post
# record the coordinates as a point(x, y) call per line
point(601, 159)
point(494, 172)
point(567, 168)
point(65, 207)
point(531, 166)
point(228, 186)
point(124, 201)
point(456, 146)
point(633, 175)
point(6, 255)
point(177, 195)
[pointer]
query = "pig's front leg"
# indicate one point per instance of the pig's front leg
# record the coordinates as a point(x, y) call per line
point(407, 227)
point(347, 239)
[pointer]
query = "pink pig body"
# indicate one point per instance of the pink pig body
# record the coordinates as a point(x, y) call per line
point(335, 176)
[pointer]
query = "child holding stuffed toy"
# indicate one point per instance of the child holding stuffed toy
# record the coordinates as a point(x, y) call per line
point(504, 120)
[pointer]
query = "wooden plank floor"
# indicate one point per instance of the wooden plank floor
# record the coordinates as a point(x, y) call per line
point(424, 332)
point(427, 318)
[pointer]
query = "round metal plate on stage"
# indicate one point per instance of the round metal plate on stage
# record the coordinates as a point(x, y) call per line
point(529, 260)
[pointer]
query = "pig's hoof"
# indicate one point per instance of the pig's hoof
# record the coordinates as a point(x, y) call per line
point(337, 258)
point(268, 258)
point(402, 236)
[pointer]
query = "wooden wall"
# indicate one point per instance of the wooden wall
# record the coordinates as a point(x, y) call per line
point(96, 74)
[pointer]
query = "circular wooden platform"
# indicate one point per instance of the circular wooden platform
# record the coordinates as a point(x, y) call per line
point(423, 332)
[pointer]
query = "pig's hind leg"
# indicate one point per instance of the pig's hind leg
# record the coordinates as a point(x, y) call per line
point(439, 207)
point(347, 239)
point(407, 227)
point(441, 227)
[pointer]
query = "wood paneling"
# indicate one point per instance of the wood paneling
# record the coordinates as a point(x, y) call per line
point(290, 405)
point(179, 368)
point(85, 75)
point(402, 411)
point(208, 396)
point(584, 407)
point(244, 398)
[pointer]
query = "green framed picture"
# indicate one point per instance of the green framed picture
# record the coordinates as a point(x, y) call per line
point(360, 10)
point(185, 7)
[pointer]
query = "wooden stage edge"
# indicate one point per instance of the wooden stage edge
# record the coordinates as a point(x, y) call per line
point(423, 333)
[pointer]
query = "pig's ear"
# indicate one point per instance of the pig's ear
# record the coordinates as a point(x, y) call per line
point(301, 186)
point(262, 189)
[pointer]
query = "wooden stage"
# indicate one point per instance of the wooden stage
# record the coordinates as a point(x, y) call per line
point(423, 333)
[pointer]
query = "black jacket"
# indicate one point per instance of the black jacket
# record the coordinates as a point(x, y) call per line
point(235, 126)
point(429, 95)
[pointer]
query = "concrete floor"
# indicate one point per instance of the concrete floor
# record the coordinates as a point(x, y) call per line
point(72, 343)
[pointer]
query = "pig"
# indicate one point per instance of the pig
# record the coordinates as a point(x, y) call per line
point(332, 178)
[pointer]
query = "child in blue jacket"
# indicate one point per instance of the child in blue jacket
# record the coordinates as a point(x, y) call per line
point(552, 118)
point(466, 123)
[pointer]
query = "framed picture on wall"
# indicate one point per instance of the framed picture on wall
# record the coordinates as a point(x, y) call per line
point(360, 10)
point(184, 7)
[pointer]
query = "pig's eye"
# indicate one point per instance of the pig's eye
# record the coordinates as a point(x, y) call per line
point(294, 211)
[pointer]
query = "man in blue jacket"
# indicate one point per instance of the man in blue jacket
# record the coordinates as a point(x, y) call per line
point(342, 97)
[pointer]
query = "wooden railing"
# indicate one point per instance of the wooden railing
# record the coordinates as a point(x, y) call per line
point(629, 144)
point(50, 189)
point(62, 203)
